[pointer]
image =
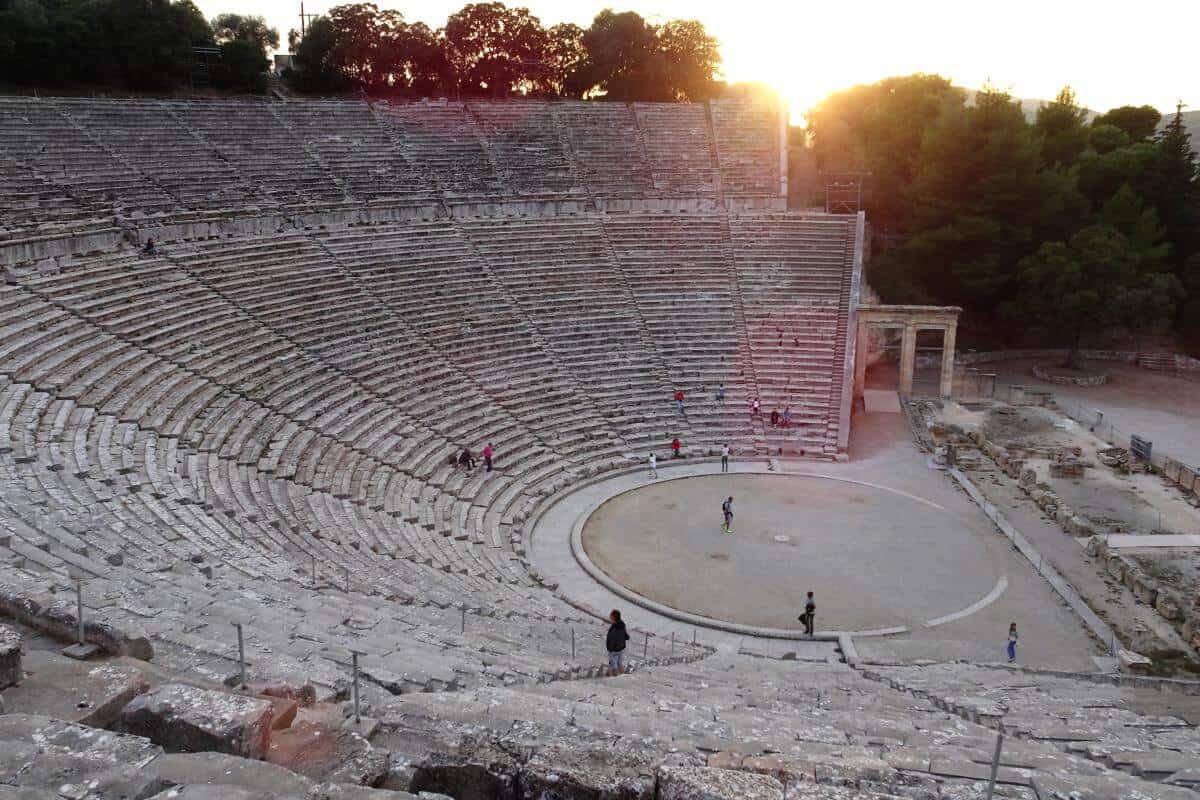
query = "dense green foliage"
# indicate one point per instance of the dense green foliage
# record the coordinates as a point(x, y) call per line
point(491, 50)
point(141, 45)
point(1070, 227)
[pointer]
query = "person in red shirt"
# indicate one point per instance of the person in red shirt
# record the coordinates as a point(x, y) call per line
point(675, 445)
point(487, 456)
point(679, 400)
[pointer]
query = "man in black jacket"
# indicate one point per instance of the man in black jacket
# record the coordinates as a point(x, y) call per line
point(615, 641)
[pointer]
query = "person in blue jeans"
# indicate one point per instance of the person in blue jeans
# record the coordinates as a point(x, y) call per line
point(617, 637)
point(1012, 642)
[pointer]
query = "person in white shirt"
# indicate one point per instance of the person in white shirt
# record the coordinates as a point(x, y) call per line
point(653, 466)
point(725, 458)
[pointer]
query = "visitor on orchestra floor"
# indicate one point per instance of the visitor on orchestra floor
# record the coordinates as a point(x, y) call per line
point(675, 445)
point(615, 641)
point(721, 393)
point(487, 456)
point(1012, 642)
point(727, 512)
point(725, 458)
point(653, 466)
point(774, 417)
point(787, 417)
point(466, 460)
point(810, 614)
point(679, 400)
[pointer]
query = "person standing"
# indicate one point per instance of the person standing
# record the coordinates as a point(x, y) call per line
point(725, 458)
point(487, 455)
point(1012, 642)
point(616, 640)
point(675, 447)
point(653, 466)
point(774, 417)
point(721, 393)
point(754, 407)
point(727, 511)
point(679, 400)
point(787, 417)
point(810, 614)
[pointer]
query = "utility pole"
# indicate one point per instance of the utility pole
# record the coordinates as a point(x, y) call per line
point(304, 18)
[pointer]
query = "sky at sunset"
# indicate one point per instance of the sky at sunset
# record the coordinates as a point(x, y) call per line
point(1111, 53)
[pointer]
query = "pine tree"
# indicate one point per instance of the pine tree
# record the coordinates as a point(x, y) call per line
point(1177, 189)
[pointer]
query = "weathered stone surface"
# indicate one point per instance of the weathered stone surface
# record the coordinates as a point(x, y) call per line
point(77, 776)
point(48, 735)
point(10, 657)
point(1169, 606)
point(346, 791)
point(706, 783)
point(190, 720)
point(216, 792)
point(334, 755)
point(186, 769)
point(559, 772)
point(1104, 787)
point(88, 692)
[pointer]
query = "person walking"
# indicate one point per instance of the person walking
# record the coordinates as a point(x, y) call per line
point(721, 393)
point(653, 466)
point(754, 407)
point(675, 447)
point(725, 458)
point(809, 615)
point(615, 641)
point(1012, 642)
point(774, 417)
point(787, 417)
point(727, 511)
point(679, 400)
point(487, 455)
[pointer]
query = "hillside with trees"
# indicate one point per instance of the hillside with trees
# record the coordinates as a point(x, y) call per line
point(1064, 227)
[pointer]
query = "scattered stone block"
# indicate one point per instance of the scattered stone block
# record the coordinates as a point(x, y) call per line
point(1133, 662)
point(706, 783)
point(186, 719)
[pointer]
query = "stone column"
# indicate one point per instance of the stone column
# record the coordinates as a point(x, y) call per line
point(860, 360)
point(908, 358)
point(947, 387)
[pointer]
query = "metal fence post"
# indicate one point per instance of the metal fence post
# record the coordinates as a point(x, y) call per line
point(572, 644)
point(645, 644)
point(241, 655)
point(347, 571)
point(314, 566)
point(995, 765)
point(79, 608)
point(672, 644)
point(354, 662)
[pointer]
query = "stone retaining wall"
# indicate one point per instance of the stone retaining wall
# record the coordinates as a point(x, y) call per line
point(44, 253)
point(1040, 371)
point(1182, 363)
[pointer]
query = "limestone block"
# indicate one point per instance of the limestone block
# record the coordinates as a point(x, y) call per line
point(1146, 590)
point(1116, 567)
point(556, 771)
point(706, 783)
point(186, 719)
point(177, 769)
point(1079, 526)
point(1168, 605)
point(1028, 476)
point(10, 657)
point(337, 756)
point(86, 692)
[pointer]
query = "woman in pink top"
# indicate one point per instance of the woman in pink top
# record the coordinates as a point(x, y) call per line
point(487, 456)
